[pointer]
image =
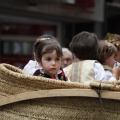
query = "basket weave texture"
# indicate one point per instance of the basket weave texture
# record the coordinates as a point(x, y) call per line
point(14, 81)
point(106, 85)
point(63, 108)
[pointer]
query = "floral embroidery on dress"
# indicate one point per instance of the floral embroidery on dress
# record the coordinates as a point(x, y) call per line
point(61, 75)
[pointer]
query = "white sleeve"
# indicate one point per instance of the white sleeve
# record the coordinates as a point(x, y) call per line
point(31, 67)
point(101, 74)
point(68, 80)
point(99, 71)
point(109, 76)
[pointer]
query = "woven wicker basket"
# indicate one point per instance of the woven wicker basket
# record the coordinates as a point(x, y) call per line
point(24, 97)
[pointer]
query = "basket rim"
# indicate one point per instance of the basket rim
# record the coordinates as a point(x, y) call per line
point(114, 95)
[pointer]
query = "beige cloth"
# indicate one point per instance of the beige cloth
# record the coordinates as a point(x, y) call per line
point(81, 71)
point(106, 67)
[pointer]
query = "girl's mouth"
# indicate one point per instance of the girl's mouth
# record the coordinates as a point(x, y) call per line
point(53, 68)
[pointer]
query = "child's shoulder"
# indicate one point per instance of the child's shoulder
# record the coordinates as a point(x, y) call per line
point(30, 67)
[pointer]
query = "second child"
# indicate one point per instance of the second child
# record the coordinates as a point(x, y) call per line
point(85, 68)
point(107, 53)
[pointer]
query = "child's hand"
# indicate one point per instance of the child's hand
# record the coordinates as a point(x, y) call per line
point(116, 72)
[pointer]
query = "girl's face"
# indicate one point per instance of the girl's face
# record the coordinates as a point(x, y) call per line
point(118, 57)
point(51, 63)
point(110, 61)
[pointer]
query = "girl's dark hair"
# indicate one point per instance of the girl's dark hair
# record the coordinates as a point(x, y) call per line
point(105, 50)
point(46, 37)
point(85, 45)
point(46, 46)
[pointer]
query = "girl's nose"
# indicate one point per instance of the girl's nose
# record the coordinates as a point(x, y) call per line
point(53, 62)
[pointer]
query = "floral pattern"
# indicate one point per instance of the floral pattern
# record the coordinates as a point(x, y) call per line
point(61, 75)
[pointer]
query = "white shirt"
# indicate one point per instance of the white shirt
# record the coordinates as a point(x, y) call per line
point(101, 74)
point(31, 67)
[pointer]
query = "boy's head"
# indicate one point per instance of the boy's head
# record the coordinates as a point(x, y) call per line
point(84, 46)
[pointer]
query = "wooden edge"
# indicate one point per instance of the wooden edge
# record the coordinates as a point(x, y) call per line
point(58, 93)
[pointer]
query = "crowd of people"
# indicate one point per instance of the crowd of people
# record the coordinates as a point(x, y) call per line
point(88, 58)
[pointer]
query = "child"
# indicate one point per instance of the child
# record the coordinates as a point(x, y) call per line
point(49, 57)
point(115, 40)
point(33, 65)
point(85, 68)
point(107, 53)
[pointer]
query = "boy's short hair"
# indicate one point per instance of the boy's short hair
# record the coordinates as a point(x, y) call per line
point(85, 45)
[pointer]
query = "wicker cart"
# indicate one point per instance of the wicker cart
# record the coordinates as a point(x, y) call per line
point(24, 97)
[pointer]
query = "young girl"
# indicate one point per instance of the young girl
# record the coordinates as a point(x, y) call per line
point(115, 40)
point(107, 53)
point(49, 57)
point(85, 68)
point(33, 65)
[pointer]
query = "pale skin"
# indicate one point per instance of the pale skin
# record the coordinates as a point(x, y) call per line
point(51, 63)
point(110, 62)
point(118, 57)
point(116, 72)
point(66, 59)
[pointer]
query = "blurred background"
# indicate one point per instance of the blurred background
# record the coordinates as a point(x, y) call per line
point(22, 21)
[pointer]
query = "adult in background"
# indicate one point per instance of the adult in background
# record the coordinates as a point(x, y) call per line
point(67, 58)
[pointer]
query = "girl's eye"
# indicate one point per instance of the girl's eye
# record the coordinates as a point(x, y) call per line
point(48, 59)
point(57, 59)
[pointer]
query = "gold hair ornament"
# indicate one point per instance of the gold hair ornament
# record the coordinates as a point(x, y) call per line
point(114, 39)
